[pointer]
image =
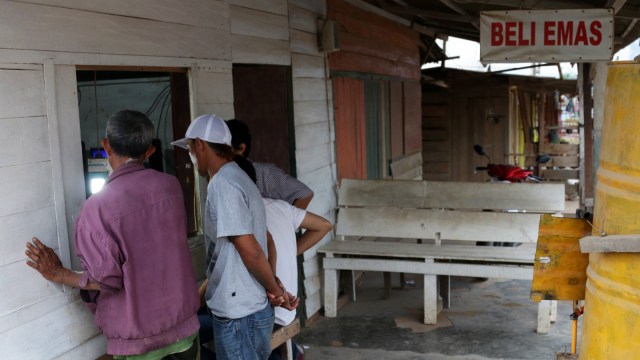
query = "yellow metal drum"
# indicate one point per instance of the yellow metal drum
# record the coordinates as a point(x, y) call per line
point(611, 325)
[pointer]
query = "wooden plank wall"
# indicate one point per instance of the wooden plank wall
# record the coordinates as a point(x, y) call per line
point(436, 136)
point(259, 32)
point(114, 28)
point(412, 116)
point(30, 159)
point(474, 111)
point(314, 129)
point(39, 124)
point(563, 166)
point(373, 44)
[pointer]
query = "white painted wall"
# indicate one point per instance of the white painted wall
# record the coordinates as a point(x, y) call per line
point(315, 135)
point(34, 205)
point(41, 167)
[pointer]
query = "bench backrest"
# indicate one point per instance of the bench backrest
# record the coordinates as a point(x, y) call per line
point(392, 222)
point(445, 210)
point(540, 198)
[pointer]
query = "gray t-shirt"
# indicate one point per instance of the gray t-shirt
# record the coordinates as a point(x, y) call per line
point(234, 207)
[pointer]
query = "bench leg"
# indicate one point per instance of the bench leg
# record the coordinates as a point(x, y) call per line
point(430, 297)
point(286, 350)
point(330, 292)
point(554, 311)
point(352, 290)
point(444, 282)
point(544, 318)
point(387, 285)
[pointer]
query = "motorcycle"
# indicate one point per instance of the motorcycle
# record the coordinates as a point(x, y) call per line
point(506, 172)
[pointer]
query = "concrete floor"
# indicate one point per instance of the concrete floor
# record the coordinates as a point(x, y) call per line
point(491, 319)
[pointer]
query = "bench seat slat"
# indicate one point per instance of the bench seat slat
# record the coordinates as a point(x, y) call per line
point(522, 254)
point(497, 271)
point(425, 223)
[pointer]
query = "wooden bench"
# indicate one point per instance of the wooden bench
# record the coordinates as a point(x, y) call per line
point(379, 222)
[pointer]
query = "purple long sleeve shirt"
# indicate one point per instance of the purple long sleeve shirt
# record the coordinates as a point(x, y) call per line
point(131, 239)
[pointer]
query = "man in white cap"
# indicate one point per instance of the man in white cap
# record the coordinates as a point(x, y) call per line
point(237, 269)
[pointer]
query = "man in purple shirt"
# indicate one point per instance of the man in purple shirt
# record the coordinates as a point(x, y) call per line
point(131, 238)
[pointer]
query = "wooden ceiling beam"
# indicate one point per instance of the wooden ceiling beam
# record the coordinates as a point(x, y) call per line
point(632, 24)
point(631, 33)
point(362, 5)
point(400, 2)
point(461, 11)
point(629, 13)
point(428, 14)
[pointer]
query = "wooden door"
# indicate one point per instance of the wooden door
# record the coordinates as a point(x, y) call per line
point(348, 100)
point(262, 100)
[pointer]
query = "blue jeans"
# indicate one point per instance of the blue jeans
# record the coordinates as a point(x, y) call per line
point(205, 333)
point(247, 338)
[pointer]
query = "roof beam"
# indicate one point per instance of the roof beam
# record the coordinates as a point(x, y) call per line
point(362, 5)
point(428, 14)
point(451, 5)
point(632, 24)
point(631, 33)
point(629, 13)
point(400, 2)
point(460, 11)
point(615, 4)
point(402, 21)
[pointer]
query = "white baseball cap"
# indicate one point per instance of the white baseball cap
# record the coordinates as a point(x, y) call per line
point(209, 128)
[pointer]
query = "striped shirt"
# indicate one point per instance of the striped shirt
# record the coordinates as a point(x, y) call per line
point(276, 184)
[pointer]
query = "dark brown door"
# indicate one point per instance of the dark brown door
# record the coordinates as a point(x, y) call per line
point(262, 99)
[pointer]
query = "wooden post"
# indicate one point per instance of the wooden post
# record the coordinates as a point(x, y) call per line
point(587, 182)
point(542, 131)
